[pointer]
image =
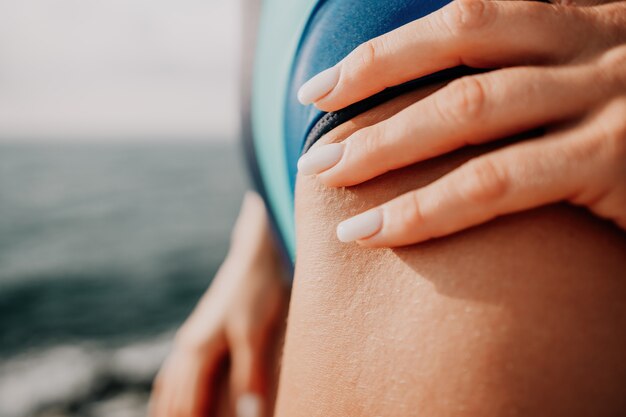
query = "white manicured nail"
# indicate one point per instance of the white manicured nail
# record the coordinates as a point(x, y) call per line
point(319, 159)
point(360, 227)
point(318, 86)
point(249, 405)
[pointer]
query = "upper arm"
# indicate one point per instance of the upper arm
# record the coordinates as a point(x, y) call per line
point(523, 315)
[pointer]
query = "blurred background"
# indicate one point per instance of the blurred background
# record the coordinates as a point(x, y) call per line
point(120, 178)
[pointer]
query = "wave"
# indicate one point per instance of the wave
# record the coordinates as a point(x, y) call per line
point(81, 380)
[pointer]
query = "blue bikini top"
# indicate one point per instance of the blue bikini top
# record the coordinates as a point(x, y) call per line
point(297, 40)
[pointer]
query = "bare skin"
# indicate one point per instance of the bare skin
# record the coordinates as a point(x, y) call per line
point(225, 356)
point(522, 316)
point(559, 67)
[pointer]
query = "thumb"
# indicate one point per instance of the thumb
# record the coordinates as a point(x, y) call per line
point(248, 376)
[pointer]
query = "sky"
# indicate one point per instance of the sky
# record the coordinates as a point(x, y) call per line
point(118, 69)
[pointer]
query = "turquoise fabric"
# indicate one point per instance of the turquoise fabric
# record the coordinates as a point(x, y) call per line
point(281, 26)
point(334, 29)
point(298, 39)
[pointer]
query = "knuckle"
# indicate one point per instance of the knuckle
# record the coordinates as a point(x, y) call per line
point(366, 144)
point(416, 214)
point(614, 131)
point(579, 152)
point(369, 152)
point(359, 145)
point(410, 212)
point(462, 100)
point(612, 64)
point(484, 181)
point(610, 18)
point(366, 56)
point(609, 203)
point(370, 143)
point(464, 16)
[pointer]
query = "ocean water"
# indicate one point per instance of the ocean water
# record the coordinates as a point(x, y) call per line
point(104, 250)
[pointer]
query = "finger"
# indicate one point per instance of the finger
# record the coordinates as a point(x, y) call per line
point(581, 3)
point(468, 111)
point(477, 33)
point(160, 403)
point(189, 393)
point(607, 198)
point(186, 382)
point(521, 176)
point(247, 376)
point(154, 403)
point(160, 399)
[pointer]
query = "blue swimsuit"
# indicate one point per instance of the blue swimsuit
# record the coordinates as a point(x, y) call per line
point(298, 39)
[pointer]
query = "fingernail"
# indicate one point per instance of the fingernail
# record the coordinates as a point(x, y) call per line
point(320, 159)
point(249, 405)
point(360, 227)
point(318, 86)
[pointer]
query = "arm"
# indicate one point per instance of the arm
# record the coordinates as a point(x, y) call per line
point(523, 316)
point(239, 318)
point(556, 68)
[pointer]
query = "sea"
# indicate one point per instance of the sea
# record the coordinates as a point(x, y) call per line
point(105, 248)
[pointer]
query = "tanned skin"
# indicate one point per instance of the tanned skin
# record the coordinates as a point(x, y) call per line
point(522, 316)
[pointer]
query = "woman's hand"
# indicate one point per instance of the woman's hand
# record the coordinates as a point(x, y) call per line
point(236, 318)
point(560, 67)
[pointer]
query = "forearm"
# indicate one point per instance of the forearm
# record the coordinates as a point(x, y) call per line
point(235, 327)
point(252, 249)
